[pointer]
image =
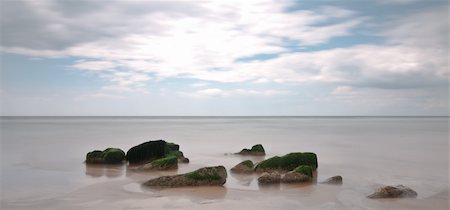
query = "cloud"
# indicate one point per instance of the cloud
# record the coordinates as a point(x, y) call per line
point(203, 40)
point(95, 65)
point(199, 84)
point(215, 92)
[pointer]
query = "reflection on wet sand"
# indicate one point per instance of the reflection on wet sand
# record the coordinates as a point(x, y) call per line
point(99, 170)
point(194, 194)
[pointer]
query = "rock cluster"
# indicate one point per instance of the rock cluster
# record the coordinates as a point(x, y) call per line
point(107, 156)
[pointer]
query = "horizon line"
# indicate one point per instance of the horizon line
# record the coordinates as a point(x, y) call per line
point(224, 116)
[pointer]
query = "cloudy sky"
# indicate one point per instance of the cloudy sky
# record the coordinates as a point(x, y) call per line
point(92, 57)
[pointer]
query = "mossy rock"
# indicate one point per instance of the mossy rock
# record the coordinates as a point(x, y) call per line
point(309, 158)
point(243, 167)
point(288, 162)
point(147, 152)
point(291, 161)
point(270, 164)
point(107, 156)
point(257, 149)
point(204, 176)
point(113, 156)
point(170, 146)
point(167, 162)
point(305, 169)
point(95, 156)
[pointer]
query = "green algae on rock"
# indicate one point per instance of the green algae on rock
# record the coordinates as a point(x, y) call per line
point(243, 167)
point(288, 162)
point(108, 156)
point(216, 175)
point(153, 150)
point(257, 149)
point(305, 170)
point(166, 163)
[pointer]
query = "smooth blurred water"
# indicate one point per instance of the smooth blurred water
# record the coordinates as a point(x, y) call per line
point(42, 157)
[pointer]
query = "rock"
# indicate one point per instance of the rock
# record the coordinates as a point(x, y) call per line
point(293, 177)
point(398, 191)
point(333, 180)
point(269, 178)
point(147, 152)
point(257, 149)
point(305, 170)
point(243, 167)
point(172, 147)
point(95, 156)
point(180, 156)
point(153, 150)
point(216, 175)
point(108, 156)
point(166, 163)
point(288, 162)
point(113, 156)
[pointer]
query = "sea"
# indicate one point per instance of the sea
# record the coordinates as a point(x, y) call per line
point(42, 161)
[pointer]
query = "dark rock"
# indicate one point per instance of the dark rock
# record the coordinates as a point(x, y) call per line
point(95, 156)
point(257, 149)
point(288, 162)
point(294, 177)
point(269, 178)
point(333, 180)
point(204, 176)
point(147, 152)
point(243, 167)
point(398, 191)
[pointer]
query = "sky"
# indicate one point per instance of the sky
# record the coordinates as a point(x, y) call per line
point(224, 58)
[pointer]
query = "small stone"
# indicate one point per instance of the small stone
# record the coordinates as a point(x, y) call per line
point(398, 191)
point(337, 180)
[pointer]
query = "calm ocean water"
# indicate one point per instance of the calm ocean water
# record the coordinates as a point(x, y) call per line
point(42, 157)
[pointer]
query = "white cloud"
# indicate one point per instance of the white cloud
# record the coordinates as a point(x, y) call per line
point(205, 45)
point(200, 84)
point(95, 65)
point(190, 44)
point(215, 92)
point(397, 1)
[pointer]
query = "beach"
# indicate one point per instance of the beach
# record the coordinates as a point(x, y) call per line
point(42, 161)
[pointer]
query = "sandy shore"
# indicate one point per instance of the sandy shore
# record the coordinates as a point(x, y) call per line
point(128, 193)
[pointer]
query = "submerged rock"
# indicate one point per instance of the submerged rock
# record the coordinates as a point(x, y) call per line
point(333, 180)
point(107, 156)
point(166, 163)
point(269, 178)
point(288, 162)
point(398, 191)
point(257, 149)
point(243, 167)
point(294, 177)
point(216, 175)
